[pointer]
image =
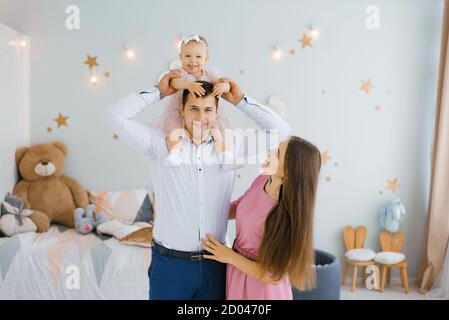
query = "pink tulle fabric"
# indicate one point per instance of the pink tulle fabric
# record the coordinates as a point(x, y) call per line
point(172, 119)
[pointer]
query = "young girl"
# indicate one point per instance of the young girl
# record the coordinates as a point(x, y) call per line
point(273, 249)
point(193, 55)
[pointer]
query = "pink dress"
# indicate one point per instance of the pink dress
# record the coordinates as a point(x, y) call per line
point(172, 119)
point(252, 209)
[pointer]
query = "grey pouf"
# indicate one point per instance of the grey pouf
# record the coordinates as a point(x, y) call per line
point(328, 274)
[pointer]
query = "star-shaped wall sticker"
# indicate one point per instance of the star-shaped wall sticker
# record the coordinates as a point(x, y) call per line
point(107, 74)
point(305, 41)
point(366, 86)
point(91, 61)
point(393, 185)
point(325, 157)
point(61, 120)
point(49, 130)
point(115, 136)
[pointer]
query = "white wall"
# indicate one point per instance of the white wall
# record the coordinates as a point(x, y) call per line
point(367, 147)
point(14, 105)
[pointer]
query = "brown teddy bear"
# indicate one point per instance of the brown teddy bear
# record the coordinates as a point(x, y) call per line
point(52, 196)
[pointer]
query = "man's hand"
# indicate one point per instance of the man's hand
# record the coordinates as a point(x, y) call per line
point(235, 94)
point(164, 84)
point(220, 88)
point(196, 88)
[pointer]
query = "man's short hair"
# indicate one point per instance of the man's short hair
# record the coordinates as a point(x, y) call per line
point(208, 89)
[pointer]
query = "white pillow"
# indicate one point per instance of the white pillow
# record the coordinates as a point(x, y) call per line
point(387, 257)
point(360, 254)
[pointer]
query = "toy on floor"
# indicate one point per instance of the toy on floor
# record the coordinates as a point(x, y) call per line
point(14, 218)
point(85, 222)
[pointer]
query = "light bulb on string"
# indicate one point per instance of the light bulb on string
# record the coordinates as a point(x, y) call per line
point(313, 32)
point(277, 53)
point(129, 53)
point(93, 79)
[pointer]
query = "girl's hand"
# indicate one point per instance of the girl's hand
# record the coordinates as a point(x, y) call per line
point(235, 94)
point(196, 88)
point(220, 88)
point(218, 251)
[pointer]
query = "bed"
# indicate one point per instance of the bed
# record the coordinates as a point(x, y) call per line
point(63, 264)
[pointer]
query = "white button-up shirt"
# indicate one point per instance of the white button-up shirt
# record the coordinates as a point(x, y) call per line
point(192, 196)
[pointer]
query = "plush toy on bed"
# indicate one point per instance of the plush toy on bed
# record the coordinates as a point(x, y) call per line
point(44, 189)
point(14, 218)
point(85, 221)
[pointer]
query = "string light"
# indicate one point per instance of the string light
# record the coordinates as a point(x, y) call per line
point(19, 42)
point(93, 79)
point(277, 53)
point(129, 53)
point(313, 32)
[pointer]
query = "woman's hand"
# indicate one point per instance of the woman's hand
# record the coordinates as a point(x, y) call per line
point(220, 88)
point(218, 251)
point(196, 88)
point(164, 84)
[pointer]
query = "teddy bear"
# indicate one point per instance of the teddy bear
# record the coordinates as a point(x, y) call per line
point(52, 196)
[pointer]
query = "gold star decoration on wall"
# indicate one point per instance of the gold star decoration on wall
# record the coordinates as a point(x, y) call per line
point(306, 41)
point(61, 120)
point(115, 136)
point(107, 74)
point(393, 185)
point(91, 62)
point(366, 86)
point(49, 130)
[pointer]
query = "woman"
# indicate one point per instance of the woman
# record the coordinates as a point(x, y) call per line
point(273, 249)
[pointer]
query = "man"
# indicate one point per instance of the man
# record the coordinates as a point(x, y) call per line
point(193, 196)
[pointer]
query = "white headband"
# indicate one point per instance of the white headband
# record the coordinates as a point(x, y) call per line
point(187, 39)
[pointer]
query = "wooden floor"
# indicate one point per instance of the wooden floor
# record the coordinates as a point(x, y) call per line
point(392, 292)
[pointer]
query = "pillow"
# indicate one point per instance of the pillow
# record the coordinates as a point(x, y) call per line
point(360, 254)
point(142, 238)
point(390, 258)
point(127, 205)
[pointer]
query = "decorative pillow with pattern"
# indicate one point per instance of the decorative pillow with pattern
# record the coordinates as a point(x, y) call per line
point(127, 205)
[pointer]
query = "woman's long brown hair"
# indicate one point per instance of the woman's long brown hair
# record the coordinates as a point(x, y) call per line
point(287, 243)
